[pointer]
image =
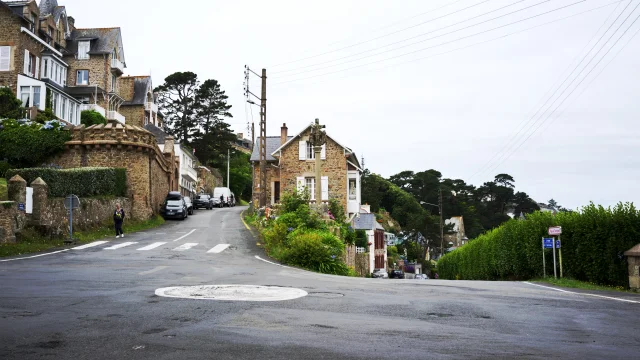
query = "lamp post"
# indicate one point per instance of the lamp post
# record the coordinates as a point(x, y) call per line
point(439, 206)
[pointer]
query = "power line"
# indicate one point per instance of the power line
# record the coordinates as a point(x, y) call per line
point(380, 37)
point(423, 49)
point(404, 40)
point(523, 124)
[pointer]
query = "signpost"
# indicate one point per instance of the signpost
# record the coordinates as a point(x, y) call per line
point(21, 207)
point(559, 253)
point(71, 202)
point(556, 230)
point(547, 243)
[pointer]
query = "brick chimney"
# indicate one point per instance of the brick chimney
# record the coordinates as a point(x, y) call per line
point(283, 134)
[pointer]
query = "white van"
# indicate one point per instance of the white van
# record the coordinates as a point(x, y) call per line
point(226, 196)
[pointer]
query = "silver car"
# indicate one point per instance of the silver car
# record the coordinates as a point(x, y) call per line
point(380, 273)
point(422, 277)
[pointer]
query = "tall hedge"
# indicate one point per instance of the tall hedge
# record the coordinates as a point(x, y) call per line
point(593, 243)
point(79, 181)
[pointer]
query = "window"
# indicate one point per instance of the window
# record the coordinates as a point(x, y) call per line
point(84, 100)
point(46, 68)
point(311, 155)
point(113, 82)
point(276, 191)
point(32, 25)
point(63, 111)
point(352, 189)
point(24, 95)
point(83, 49)
point(5, 58)
point(72, 109)
point(54, 104)
point(36, 96)
point(83, 77)
point(55, 71)
point(29, 64)
point(310, 184)
point(379, 239)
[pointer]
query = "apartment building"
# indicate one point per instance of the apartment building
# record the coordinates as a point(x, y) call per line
point(139, 107)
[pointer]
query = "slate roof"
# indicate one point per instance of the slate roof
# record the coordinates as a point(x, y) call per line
point(141, 86)
point(157, 132)
point(273, 143)
point(103, 41)
point(366, 222)
point(47, 6)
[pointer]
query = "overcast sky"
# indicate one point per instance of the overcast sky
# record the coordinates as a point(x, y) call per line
point(417, 85)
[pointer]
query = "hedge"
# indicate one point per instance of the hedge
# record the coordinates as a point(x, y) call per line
point(79, 181)
point(593, 244)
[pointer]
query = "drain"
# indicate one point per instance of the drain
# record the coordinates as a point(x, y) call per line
point(326, 295)
point(232, 292)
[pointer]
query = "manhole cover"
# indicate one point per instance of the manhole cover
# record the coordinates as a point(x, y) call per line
point(326, 295)
point(232, 292)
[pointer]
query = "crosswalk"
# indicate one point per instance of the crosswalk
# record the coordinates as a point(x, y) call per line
point(153, 246)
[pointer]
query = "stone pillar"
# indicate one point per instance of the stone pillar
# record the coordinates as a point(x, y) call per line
point(8, 227)
point(40, 198)
point(633, 259)
point(17, 189)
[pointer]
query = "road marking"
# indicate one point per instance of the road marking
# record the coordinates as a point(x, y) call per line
point(35, 256)
point(184, 247)
point(160, 233)
point(152, 246)
point(118, 246)
point(218, 248)
point(155, 269)
point(271, 262)
point(577, 293)
point(185, 235)
point(95, 243)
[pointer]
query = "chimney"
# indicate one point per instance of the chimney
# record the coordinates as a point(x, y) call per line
point(283, 134)
point(240, 136)
point(168, 144)
point(72, 23)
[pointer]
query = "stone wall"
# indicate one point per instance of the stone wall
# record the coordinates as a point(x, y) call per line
point(134, 114)
point(99, 72)
point(273, 174)
point(91, 213)
point(8, 221)
point(126, 87)
point(362, 264)
point(208, 179)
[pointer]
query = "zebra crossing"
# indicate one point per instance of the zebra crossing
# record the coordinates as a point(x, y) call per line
point(153, 246)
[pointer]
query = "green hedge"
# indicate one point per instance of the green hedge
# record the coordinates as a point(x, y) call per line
point(79, 181)
point(593, 242)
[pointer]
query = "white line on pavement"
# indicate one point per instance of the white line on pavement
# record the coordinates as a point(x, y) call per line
point(218, 248)
point(185, 246)
point(118, 246)
point(155, 269)
point(95, 243)
point(152, 246)
point(35, 256)
point(185, 235)
point(577, 293)
point(271, 262)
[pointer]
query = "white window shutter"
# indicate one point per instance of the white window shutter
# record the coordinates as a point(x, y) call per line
point(37, 73)
point(302, 155)
point(325, 188)
point(26, 61)
point(323, 153)
point(5, 58)
point(300, 184)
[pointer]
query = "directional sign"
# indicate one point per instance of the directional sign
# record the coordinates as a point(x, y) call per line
point(555, 230)
point(21, 206)
point(71, 202)
point(557, 244)
point(547, 243)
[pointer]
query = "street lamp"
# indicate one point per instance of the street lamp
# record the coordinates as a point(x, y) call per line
point(439, 206)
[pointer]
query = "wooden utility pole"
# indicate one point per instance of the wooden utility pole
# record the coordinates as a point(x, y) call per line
point(441, 223)
point(263, 140)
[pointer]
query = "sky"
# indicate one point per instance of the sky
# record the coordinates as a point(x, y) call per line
point(545, 91)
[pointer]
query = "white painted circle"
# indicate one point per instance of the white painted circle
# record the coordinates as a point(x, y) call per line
point(232, 292)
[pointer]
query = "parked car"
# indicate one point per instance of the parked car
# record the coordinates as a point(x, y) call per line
point(187, 200)
point(223, 192)
point(174, 206)
point(397, 274)
point(422, 277)
point(380, 273)
point(203, 201)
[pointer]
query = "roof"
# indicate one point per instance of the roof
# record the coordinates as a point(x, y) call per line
point(366, 222)
point(302, 132)
point(103, 41)
point(47, 6)
point(157, 132)
point(273, 142)
point(141, 86)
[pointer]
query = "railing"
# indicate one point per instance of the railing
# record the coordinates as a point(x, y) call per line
point(114, 115)
point(117, 64)
point(151, 107)
point(94, 107)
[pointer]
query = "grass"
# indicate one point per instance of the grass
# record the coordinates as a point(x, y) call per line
point(577, 284)
point(243, 203)
point(3, 189)
point(32, 242)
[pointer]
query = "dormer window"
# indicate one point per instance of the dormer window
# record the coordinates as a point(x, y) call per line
point(32, 19)
point(83, 49)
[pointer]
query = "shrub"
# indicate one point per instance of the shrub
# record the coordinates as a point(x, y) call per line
point(42, 141)
point(291, 202)
point(337, 210)
point(361, 239)
point(316, 250)
point(79, 181)
point(4, 167)
point(45, 116)
point(275, 235)
point(10, 105)
point(91, 117)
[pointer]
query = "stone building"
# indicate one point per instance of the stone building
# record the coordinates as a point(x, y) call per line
point(242, 144)
point(139, 107)
point(291, 167)
point(377, 247)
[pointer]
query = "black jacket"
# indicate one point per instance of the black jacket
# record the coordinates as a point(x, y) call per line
point(117, 218)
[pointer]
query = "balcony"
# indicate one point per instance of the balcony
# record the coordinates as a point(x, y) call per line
point(152, 107)
point(117, 66)
point(94, 107)
point(114, 115)
point(188, 173)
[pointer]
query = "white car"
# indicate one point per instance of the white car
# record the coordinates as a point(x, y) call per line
point(380, 273)
point(422, 277)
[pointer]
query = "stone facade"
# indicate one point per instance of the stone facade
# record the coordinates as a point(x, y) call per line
point(134, 114)
point(208, 179)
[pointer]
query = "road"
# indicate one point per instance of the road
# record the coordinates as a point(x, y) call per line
point(100, 302)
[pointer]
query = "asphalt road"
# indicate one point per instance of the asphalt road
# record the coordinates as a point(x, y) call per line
point(99, 303)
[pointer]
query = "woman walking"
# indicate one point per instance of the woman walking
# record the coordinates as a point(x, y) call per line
point(118, 218)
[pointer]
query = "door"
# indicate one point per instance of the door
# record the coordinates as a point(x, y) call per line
point(276, 191)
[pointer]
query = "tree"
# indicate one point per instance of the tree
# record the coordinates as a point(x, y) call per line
point(176, 99)
point(240, 175)
point(10, 105)
point(553, 204)
point(211, 105)
point(212, 147)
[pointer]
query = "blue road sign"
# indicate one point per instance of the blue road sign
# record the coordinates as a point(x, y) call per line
point(547, 243)
point(557, 244)
point(21, 206)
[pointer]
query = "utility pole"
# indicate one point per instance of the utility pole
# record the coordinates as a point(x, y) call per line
point(228, 163)
point(263, 129)
point(441, 223)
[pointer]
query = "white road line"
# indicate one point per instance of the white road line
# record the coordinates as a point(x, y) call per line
point(152, 246)
point(218, 248)
point(185, 235)
point(587, 294)
point(271, 262)
point(155, 269)
point(95, 243)
point(35, 256)
point(185, 246)
point(118, 246)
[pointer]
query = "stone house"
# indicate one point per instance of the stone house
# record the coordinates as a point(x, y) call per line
point(291, 167)
point(375, 234)
point(242, 144)
point(33, 42)
point(139, 107)
point(456, 237)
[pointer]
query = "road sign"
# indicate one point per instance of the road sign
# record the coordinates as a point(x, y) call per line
point(71, 202)
point(547, 243)
point(21, 206)
point(557, 244)
point(555, 230)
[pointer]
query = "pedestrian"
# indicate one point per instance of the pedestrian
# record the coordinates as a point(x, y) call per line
point(118, 218)
point(232, 201)
point(221, 200)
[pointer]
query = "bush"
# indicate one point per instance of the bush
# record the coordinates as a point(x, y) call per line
point(337, 210)
point(361, 239)
point(4, 167)
point(79, 181)
point(316, 250)
point(91, 117)
point(10, 105)
point(593, 243)
point(45, 116)
point(291, 202)
point(42, 141)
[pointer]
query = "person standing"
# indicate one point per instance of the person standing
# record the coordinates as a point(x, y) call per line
point(221, 200)
point(118, 218)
